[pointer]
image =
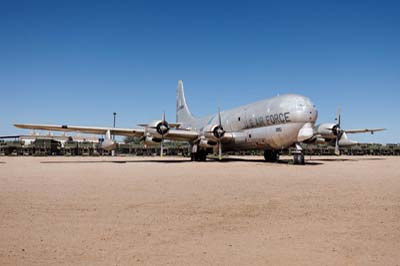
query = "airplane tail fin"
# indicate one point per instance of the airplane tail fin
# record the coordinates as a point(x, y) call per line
point(183, 115)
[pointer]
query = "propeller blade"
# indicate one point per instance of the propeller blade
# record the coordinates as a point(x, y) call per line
point(337, 148)
point(219, 150)
point(165, 124)
point(338, 131)
point(219, 117)
point(338, 115)
point(220, 135)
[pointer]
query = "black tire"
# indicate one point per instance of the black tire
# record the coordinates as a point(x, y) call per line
point(203, 156)
point(302, 162)
point(298, 158)
point(271, 156)
point(200, 156)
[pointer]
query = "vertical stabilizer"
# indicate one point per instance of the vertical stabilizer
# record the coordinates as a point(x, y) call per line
point(183, 114)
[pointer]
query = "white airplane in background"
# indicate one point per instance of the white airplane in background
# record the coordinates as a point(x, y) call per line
point(271, 125)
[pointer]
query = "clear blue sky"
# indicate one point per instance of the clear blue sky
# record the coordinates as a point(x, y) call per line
point(76, 62)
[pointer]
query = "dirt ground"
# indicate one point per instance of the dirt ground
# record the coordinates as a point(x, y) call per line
point(170, 211)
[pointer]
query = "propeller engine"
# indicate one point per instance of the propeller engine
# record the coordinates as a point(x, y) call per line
point(163, 126)
point(338, 132)
point(108, 143)
point(332, 131)
point(216, 133)
point(162, 129)
point(156, 131)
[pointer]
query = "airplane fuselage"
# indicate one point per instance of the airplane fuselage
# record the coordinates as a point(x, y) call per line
point(273, 123)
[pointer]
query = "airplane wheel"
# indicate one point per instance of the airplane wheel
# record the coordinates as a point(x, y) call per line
point(196, 157)
point(200, 156)
point(298, 158)
point(203, 156)
point(271, 156)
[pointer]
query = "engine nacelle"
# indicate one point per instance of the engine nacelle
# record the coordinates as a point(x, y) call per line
point(214, 133)
point(108, 145)
point(151, 140)
point(327, 130)
point(207, 143)
point(158, 128)
point(320, 140)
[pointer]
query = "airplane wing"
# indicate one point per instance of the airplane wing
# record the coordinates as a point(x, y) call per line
point(81, 129)
point(365, 130)
point(173, 134)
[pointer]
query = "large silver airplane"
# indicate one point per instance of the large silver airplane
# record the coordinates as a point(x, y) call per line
point(271, 125)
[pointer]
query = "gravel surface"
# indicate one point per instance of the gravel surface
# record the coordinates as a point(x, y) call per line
point(170, 211)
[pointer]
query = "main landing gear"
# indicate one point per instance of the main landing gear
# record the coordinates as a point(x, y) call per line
point(198, 154)
point(271, 156)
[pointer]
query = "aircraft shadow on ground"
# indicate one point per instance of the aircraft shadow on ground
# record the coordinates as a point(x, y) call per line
point(308, 161)
point(118, 161)
point(338, 159)
point(174, 161)
point(281, 161)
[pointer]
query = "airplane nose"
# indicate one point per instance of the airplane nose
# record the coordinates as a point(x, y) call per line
point(313, 114)
point(306, 111)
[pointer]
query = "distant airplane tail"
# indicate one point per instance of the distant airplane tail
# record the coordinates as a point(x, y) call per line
point(183, 114)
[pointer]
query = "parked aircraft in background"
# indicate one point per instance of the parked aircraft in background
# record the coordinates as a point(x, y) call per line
point(271, 125)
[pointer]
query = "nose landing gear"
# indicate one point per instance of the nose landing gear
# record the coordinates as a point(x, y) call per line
point(298, 158)
point(298, 155)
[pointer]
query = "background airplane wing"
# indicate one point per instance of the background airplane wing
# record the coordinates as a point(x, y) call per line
point(82, 129)
point(365, 130)
point(10, 137)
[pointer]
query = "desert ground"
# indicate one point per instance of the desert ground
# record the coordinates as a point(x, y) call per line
point(170, 211)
